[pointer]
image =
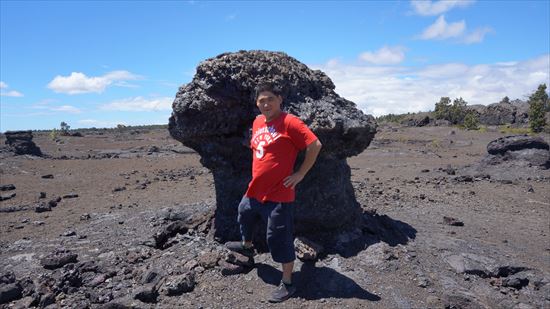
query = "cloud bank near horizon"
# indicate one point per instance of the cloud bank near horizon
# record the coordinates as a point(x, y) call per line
point(381, 90)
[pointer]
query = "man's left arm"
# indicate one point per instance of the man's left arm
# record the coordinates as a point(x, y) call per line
point(312, 151)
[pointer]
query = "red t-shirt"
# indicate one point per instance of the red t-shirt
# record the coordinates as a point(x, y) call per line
point(275, 146)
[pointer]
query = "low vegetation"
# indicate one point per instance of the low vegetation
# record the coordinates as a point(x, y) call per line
point(393, 118)
point(507, 129)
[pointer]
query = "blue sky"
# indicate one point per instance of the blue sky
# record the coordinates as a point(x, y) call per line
point(99, 64)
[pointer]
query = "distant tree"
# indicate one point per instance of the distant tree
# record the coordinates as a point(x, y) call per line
point(457, 111)
point(471, 121)
point(442, 108)
point(538, 104)
point(64, 127)
point(506, 99)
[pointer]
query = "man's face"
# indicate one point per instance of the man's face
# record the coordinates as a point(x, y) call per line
point(269, 104)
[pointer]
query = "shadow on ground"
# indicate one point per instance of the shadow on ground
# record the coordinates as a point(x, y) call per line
point(375, 228)
point(317, 282)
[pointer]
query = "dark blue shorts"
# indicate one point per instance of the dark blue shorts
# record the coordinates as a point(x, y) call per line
point(280, 226)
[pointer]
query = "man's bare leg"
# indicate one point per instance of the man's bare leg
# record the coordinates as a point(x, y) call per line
point(287, 272)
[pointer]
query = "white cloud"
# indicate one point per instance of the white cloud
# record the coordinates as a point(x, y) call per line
point(140, 104)
point(430, 8)
point(11, 93)
point(382, 90)
point(230, 17)
point(442, 30)
point(77, 82)
point(66, 109)
point(99, 123)
point(385, 55)
point(477, 35)
point(46, 105)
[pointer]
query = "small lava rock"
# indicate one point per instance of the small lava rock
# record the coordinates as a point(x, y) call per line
point(7, 187)
point(452, 221)
point(58, 259)
point(42, 207)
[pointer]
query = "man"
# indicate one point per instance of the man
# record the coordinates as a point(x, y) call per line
point(277, 138)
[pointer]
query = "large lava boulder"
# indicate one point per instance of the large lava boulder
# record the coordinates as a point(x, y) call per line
point(476, 109)
point(522, 111)
point(213, 114)
point(514, 143)
point(529, 150)
point(417, 120)
point(20, 143)
point(498, 114)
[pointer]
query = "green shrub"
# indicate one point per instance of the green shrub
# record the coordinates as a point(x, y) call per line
point(471, 121)
point(54, 134)
point(454, 113)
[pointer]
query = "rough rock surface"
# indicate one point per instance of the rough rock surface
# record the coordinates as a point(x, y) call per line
point(20, 143)
point(213, 115)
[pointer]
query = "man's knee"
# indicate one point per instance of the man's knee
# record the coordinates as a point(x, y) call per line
point(244, 210)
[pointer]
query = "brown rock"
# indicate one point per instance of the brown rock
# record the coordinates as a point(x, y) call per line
point(228, 269)
point(239, 259)
point(307, 250)
point(452, 221)
point(209, 259)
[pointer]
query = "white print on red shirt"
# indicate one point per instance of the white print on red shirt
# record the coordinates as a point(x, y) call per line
point(263, 137)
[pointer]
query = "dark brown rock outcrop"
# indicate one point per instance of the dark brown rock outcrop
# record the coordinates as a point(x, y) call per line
point(213, 115)
point(20, 143)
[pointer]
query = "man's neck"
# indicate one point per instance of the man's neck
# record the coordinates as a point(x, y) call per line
point(274, 117)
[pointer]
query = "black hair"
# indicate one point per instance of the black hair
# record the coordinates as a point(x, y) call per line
point(273, 88)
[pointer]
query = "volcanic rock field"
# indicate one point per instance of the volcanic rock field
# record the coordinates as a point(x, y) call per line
point(122, 219)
